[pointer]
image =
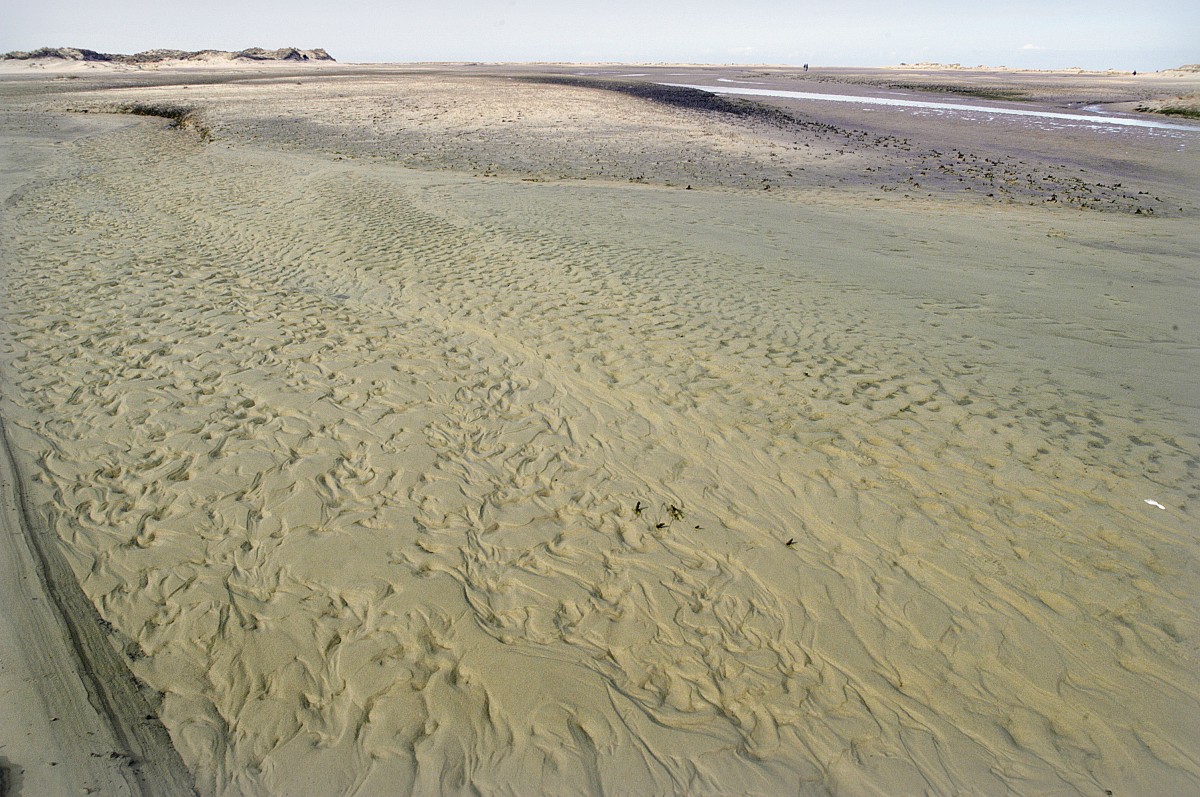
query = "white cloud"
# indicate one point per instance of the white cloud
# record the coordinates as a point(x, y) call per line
point(1033, 47)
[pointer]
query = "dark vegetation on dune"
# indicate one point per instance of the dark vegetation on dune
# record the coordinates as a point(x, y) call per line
point(157, 56)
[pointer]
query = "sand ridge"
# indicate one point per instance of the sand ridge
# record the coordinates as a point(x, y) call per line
point(395, 481)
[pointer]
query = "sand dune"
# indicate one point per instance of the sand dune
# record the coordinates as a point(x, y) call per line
point(395, 481)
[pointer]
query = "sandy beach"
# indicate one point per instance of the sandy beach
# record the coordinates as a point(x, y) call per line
point(486, 429)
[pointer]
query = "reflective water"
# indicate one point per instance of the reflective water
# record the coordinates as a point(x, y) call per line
point(1086, 119)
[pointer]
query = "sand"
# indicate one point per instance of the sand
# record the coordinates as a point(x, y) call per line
point(420, 431)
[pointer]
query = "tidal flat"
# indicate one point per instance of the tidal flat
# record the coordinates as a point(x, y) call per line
point(544, 429)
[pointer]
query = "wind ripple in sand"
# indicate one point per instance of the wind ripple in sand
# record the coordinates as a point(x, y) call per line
point(389, 488)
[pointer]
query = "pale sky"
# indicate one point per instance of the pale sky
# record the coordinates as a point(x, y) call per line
point(1096, 34)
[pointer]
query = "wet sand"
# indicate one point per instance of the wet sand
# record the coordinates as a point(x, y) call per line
point(418, 430)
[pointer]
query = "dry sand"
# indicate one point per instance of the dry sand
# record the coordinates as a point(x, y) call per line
point(418, 431)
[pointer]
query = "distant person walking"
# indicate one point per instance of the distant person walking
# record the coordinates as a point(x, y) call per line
point(806, 68)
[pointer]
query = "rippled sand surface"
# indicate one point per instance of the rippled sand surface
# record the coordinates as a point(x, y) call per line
point(417, 481)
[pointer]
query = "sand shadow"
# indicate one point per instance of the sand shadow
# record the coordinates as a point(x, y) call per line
point(10, 779)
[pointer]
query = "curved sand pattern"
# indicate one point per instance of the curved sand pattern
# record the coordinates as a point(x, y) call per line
point(392, 481)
